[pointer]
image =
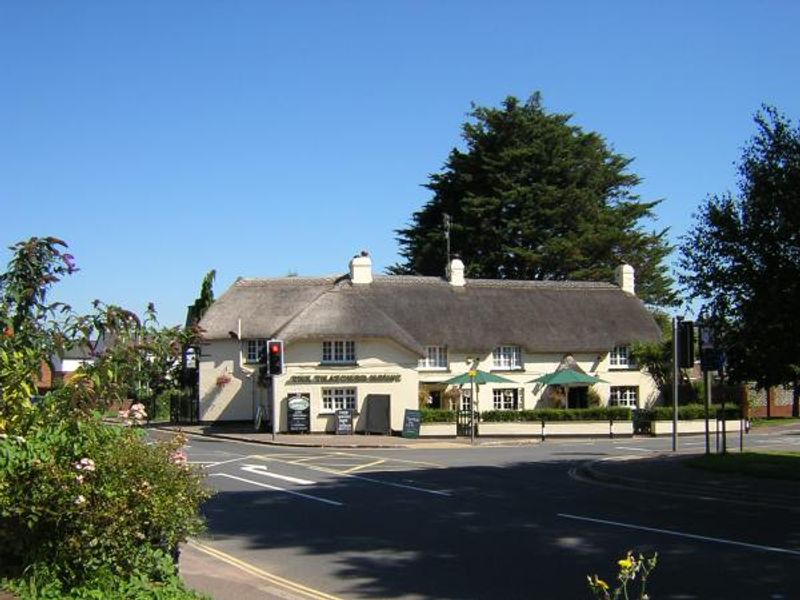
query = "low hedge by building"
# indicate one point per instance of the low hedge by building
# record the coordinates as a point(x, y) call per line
point(437, 415)
point(598, 413)
point(690, 412)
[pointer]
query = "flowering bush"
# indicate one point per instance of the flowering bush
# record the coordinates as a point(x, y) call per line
point(80, 498)
point(630, 568)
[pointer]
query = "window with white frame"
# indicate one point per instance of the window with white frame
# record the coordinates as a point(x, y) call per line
point(620, 358)
point(338, 399)
point(624, 395)
point(507, 399)
point(339, 351)
point(507, 358)
point(435, 358)
point(254, 348)
point(466, 399)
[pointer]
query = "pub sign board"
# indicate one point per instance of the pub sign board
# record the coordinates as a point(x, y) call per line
point(411, 423)
point(299, 417)
point(344, 422)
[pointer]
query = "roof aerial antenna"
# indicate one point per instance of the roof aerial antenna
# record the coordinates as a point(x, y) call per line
point(447, 221)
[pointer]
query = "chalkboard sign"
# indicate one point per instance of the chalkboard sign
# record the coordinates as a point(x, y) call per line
point(411, 422)
point(299, 418)
point(344, 422)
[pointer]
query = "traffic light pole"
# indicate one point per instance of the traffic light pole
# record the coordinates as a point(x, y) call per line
point(676, 323)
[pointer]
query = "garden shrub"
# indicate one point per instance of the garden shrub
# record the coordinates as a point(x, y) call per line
point(690, 411)
point(600, 413)
point(79, 499)
point(437, 415)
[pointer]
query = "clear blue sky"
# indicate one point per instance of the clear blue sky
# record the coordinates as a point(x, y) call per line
point(163, 139)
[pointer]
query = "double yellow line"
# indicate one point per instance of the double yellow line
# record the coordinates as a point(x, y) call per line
point(306, 592)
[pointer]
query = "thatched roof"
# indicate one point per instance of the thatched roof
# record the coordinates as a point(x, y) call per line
point(540, 316)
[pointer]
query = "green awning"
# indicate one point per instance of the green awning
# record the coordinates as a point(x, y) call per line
point(567, 377)
point(479, 377)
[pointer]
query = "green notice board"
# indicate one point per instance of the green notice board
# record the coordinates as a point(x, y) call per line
point(411, 422)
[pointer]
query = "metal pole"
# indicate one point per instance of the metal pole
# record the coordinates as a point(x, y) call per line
point(675, 374)
point(472, 400)
point(273, 407)
point(724, 433)
point(707, 381)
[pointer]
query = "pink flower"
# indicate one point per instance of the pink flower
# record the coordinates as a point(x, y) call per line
point(178, 457)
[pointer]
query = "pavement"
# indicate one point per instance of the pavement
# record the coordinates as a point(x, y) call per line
point(665, 473)
point(245, 433)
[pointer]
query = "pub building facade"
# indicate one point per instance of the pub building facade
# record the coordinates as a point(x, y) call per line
point(378, 345)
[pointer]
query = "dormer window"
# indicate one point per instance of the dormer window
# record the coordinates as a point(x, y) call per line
point(339, 352)
point(620, 358)
point(507, 358)
point(435, 358)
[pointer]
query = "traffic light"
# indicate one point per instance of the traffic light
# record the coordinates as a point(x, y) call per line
point(275, 357)
point(686, 344)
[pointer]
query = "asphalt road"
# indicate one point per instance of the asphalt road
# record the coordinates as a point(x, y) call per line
point(484, 522)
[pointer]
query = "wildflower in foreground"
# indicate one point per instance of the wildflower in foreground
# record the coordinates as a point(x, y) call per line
point(85, 464)
point(80, 500)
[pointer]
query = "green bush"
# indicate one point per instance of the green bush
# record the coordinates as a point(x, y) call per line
point(437, 415)
point(600, 413)
point(690, 411)
point(79, 499)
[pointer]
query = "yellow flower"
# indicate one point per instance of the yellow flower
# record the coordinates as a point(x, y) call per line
point(600, 583)
point(626, 563)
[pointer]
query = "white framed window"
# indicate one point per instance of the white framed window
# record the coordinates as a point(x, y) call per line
point(507, 399)
point(338, 399)
point(466, 399)
point(624, 395)
point(620, 358)
point(254, 348)
point(339, 351)
point(507, 358)
point(435, 358)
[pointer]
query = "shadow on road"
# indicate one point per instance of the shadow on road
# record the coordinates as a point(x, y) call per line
point(499, 535)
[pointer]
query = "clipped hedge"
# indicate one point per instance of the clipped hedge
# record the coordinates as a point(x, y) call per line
point(690, 412)
point(597, 413)
point(437, 415)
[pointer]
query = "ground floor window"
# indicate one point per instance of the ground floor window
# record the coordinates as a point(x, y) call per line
point(338, 399)
point(507, 399)
point(624, 395)
point(466, 399)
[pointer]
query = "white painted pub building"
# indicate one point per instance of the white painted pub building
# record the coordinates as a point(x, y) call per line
point(392, 341)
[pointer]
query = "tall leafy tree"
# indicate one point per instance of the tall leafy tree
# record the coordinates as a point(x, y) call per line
point(534, 197)
point(742, 258)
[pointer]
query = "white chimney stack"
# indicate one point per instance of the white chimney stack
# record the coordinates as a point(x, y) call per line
point(361, 268)
point(624, 278)
point(455, 272)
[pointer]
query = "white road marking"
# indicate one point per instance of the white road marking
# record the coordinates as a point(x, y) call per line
point(634, 448)
point(692, 536)
point(278, 489)
point(262, 470)
point(397, 485)
point(232, 460)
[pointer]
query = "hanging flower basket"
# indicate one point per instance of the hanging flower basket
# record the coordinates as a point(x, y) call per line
point(223, 380)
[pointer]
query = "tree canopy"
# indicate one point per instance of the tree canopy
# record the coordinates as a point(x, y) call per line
point(534, 197)
point(741, 259)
